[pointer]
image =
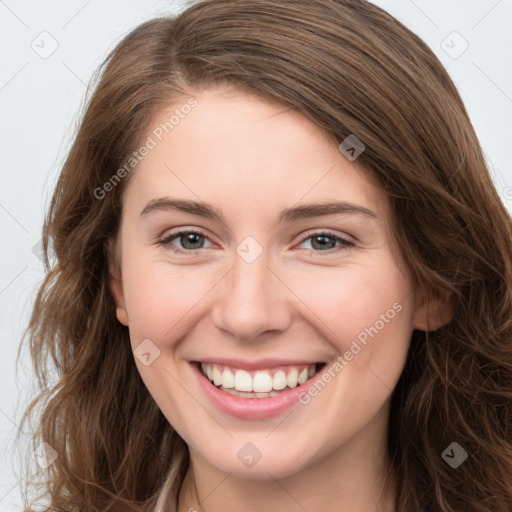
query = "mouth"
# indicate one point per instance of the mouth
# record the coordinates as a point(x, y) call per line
point(261, 383)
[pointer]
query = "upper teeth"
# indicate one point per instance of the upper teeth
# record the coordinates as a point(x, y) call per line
point(260, 381)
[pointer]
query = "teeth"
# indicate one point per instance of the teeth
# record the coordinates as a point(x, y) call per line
point(303, 376)
point(217, 378)
point(251, 395)
point(279, 381)
point(227, 379)
point(262, 382)
point(291, 378)
point(243, 380)
point(257, 384)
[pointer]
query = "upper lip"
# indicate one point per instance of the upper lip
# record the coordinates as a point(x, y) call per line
point(259, 364)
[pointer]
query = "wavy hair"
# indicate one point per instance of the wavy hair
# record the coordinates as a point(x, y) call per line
point(351, 68)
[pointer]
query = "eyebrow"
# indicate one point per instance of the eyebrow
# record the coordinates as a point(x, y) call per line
point(306, 211)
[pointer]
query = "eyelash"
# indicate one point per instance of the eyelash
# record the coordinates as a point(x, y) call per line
point(166, 242)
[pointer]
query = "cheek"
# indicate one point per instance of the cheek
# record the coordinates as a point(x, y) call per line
point(381, 327)
point(365, 306)
point(160, 299)
point(368, 311)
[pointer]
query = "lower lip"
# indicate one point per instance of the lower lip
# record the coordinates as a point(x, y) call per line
point(250, 408)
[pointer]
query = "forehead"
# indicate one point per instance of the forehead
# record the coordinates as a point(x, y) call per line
point(250, 152)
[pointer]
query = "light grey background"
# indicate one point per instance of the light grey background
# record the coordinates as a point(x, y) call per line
point(41, 92)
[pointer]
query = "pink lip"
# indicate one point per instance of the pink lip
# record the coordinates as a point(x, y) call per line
point(255, 365)
point(249, 408)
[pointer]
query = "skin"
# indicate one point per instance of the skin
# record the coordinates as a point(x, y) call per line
point(250, 159)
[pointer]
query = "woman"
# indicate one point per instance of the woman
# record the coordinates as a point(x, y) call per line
point(214, 351)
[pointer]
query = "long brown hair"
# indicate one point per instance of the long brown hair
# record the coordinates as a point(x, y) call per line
point(351, 68)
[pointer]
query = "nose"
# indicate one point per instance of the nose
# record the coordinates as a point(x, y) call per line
point(251, 300)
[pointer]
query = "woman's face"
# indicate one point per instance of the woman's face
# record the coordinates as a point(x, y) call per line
point(266, 283)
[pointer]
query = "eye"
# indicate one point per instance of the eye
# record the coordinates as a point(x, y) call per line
point(325, 241)
point(189, 240)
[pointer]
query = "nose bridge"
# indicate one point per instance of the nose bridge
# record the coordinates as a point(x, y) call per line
point(251, 300)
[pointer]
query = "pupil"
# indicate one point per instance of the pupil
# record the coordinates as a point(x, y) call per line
point(189, 239)
point(321, 239)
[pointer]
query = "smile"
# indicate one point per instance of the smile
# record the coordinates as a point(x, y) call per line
point(257, 384)
point(254, 393)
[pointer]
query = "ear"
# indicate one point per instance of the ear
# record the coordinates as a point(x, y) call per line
point(115, 282)
point(433, 311)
